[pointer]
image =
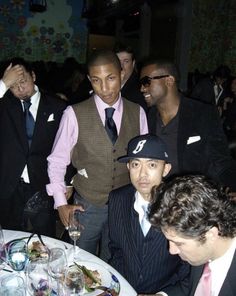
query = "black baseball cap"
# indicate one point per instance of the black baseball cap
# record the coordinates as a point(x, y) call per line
point(145, 146)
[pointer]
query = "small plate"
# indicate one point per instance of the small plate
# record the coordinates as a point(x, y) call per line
point(108, 279)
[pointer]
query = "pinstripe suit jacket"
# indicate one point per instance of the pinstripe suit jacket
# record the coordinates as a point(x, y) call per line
point(144, 261)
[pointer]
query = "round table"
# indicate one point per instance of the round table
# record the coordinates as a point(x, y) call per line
point(126, 288)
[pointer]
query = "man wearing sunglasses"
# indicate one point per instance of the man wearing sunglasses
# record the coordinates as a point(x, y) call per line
point(191, 129)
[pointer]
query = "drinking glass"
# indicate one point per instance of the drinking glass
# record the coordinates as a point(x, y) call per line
point(38, 280)
point(12, 285)
point(74, 229)
point(17, 255)
point(73, 281)
point(2, 250)
point(57, 264)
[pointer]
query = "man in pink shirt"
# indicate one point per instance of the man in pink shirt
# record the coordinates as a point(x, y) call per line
point(93, 140)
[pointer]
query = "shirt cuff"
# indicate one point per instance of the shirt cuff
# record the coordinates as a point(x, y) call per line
point(58, 195)
point(3, 88)
point(162, 293)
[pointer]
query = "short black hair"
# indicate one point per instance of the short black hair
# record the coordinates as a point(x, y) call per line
point(164, 64)
point(103, 57)
point(120, 47)
point(20, 61)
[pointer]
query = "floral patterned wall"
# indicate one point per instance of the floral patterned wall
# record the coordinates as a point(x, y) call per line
point(213, 35)
point(53, 35)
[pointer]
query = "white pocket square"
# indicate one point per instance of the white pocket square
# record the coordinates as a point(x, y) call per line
point(83, 173)
point(51, 117)
point(193, 139)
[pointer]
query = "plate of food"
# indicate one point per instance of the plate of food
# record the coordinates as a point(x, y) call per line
point(96, 275)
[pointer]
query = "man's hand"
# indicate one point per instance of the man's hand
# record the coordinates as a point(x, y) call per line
point(64, 212)
point(12, 75)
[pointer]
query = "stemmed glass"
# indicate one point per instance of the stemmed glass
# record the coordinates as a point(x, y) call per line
point(57, 264)
point(74, 281)
point(17, 255)
point(74, 229)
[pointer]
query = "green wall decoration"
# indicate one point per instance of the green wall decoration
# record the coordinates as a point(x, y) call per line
point(53, 35)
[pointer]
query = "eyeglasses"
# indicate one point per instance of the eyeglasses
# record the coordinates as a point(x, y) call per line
point(146, 80)
point(21, 83)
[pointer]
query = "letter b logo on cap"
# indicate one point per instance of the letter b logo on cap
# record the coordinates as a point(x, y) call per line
point(139, 146)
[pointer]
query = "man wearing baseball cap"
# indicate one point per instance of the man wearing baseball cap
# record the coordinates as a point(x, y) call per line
point(138, 251)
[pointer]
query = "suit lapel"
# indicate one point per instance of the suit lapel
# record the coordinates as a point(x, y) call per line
point(17, 117)
point(229, 284)
point(41, 119)
point(132, 227)
point(185, 125)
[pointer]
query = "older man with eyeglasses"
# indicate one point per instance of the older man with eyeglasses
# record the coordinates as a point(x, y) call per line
point(29, 119)
point(192, 130)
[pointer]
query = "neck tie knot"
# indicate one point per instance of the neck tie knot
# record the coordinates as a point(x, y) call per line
point(109, 112)
point(27, 104)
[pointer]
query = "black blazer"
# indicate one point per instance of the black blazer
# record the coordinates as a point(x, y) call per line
point(228, 288)
point(14, 151)
point(209, 155)
point(144, 261)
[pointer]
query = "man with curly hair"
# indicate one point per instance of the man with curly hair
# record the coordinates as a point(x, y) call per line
point(199, 220)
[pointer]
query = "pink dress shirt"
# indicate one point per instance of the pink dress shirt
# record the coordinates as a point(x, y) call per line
point(66, 139)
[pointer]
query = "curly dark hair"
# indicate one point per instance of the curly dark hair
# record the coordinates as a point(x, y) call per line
point(192, 205)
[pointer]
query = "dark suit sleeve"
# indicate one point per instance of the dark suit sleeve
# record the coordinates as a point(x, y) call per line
point(221, 166)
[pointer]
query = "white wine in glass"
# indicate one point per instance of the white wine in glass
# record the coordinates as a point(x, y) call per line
point(74, 229)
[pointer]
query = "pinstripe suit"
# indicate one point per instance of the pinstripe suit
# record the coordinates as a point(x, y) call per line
point(144, 261)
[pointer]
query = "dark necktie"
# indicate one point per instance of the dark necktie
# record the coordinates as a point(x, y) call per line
point(29, 121)
point(110, 125)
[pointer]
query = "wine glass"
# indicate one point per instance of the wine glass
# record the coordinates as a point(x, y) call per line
point(12, 285)
point(74, 229)
point(38, 279)
point(57, 264)
point(17, 255)
point(2, 250)
point(73, 281)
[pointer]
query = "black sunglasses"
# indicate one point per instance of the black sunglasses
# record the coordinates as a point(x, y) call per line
point(146, 80)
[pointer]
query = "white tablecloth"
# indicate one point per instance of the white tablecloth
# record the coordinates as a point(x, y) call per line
point(126, 289)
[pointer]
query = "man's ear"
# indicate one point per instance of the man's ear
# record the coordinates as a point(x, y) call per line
point(212, 234)
point(166, 170)
point(122, 75)
point(89, 78)
point(33, 76)
point(170, 80)
point(127, 165)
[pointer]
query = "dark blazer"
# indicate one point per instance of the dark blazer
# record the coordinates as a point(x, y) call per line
point(131, 91)
point(228, 288)
point(209, 155)
point(14, 151)
point(144, 261)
